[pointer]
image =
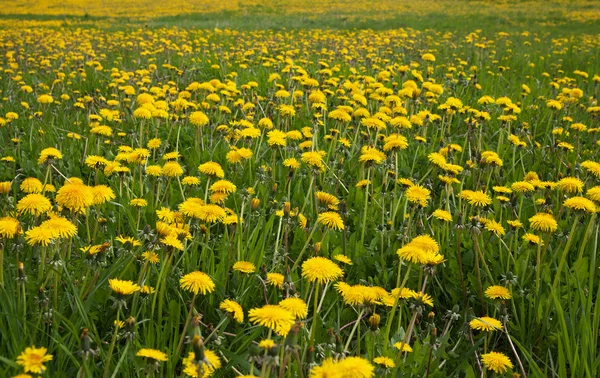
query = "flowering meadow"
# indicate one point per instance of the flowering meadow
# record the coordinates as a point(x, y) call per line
point(397, 190)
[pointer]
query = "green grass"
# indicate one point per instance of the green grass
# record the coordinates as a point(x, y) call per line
point(551, 322)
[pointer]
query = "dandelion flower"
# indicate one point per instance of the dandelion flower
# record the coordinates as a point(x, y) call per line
point(402, 347)
point(34, 204)
point(331, 220)
point(244, 267)
point(123, 287)
point(343, 259)
point(371, 155)
point(273, 317)
point(485, 323)
point(543, 222)
point(477, 198)
point(31, 185)
point(49, 153)
point(418, 194)
point(581, 204)
point(9, 227)
point(321, 270)
point(172, 169)
point(173, 242)
point(32, 359)
point(498, 292)
point(152, 354)
point(296, 306)
point(232, 307)
point(102, 194)
point(532, 239)
point(355, 367)
point(570, 185)
point(197, 282)
point(442, 215)
point(60, 227)
point(75, 197)
point(151, 257)
point(386, 362)
point(211, 169)
point(223, 186)
point(210, 363)
point(39, 236)
point(138, 202)
point(497, 362)
point(275, 279)
point(5, 187)
point(412, 254)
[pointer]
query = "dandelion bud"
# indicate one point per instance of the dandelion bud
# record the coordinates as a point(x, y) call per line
point(291, 339)
point(331, 336)
point(198, 346)
point(130, 321)
point(85, 343)
point(374, 322)
point(339, 347)
point(310, 357)
point(255, 203)
point(286, 208)
point(274, 188)
point(254, 350)
point(274, 351)
point(317, 247)
point(431, 315)
point(342, 207)
point(21, 272)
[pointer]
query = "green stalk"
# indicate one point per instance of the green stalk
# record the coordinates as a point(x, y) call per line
point(563, 258)
point(360, 314)
point(299, 258)
point(315, 314)
point(364, 221)
point(112, 342)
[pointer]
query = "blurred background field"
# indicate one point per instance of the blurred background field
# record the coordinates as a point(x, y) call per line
point(561, 16)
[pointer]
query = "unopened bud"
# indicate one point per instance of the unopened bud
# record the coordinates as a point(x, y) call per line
point(374, 322)
point(317, 247)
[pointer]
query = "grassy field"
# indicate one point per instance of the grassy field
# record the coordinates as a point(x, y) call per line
point(299, 189)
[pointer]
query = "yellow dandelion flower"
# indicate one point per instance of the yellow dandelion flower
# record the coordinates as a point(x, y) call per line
point(485, 323)
point(32, 359)
point(497, 292)
point(232, 307)
point(123, 287)
point(152, 354)
point(244, 267)
point(296, 306)
point(543, 222)
point(273, 317)
point(321, 270)
point(497, 362)
point(197, 282)
point(331, 220)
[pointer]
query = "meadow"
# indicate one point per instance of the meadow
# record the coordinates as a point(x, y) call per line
point(326, 189)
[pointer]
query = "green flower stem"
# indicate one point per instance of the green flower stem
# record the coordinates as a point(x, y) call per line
point(364, 221)
point(185, 327)
point(315, 314)
point(563, 258)
point(360, 314)
point(112, 343)
point(297, 262)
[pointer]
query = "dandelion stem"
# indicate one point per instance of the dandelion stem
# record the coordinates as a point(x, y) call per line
point(364, 221)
